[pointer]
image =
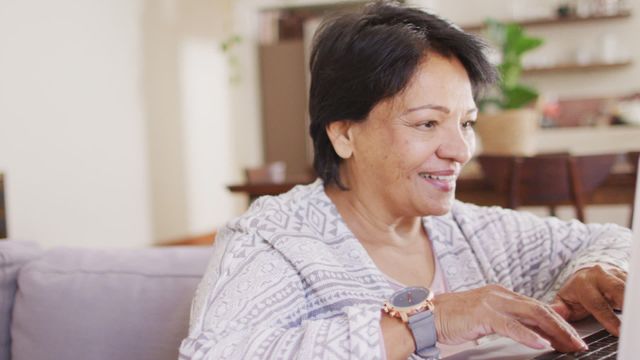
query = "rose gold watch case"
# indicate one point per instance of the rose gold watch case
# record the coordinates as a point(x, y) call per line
point(403, 313)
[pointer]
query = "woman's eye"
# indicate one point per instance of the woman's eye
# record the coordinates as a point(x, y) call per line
point(429, 124)
point(468, 124)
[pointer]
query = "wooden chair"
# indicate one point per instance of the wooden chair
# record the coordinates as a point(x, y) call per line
point(274, 172)
point(547, 180)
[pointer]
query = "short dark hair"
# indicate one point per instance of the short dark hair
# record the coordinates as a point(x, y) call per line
point(360, 59)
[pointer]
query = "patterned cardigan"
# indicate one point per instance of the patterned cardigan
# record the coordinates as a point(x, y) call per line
point(288, 279)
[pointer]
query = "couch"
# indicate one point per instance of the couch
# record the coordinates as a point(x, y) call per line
point(80, 303)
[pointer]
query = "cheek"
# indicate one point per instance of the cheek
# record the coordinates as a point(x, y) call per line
point(471, 141)
point(414, 155)
point(394, 159)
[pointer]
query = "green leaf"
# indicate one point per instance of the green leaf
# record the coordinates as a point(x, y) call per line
point(513, 43)
point(518, 96)
point(510, 72)
point(232, 40)
point(525, 44)
point(513, 33)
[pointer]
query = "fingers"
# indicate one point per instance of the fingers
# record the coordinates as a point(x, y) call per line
point(620, 274)
point(549, 323)
point(613, 290)
point(561, 308)
point(512, 328)
point(609, 271)
point(534, 315)
point(594, 301)
point(611, 282)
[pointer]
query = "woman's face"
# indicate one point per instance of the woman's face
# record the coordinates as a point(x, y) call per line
point(409, 151)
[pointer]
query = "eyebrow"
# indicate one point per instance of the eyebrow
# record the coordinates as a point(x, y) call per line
point(440, 108)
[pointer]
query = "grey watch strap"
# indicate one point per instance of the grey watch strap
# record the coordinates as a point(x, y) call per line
point(424, 334)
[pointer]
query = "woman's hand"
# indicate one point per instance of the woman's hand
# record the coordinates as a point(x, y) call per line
point(596, 291)
point(492, 309)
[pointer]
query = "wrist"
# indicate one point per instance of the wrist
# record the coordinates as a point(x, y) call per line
point(397, 337)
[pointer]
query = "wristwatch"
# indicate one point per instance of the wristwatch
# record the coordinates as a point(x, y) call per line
point(414, 307)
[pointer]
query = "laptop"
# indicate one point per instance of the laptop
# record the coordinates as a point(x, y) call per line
point(601, 344)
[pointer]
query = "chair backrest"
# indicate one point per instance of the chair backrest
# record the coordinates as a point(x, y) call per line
point(547, 180)
point(537, 180)
point(633, 159)
point(274, 172)
point(542, 180)
point(594, 170)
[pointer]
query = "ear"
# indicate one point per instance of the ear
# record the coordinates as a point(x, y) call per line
point(341, 137)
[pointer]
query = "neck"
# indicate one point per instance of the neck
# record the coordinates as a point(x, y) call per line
point(371, 221)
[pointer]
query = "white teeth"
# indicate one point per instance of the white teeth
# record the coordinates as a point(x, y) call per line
point(439, 178)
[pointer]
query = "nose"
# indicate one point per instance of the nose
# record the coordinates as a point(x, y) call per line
point(457, 143)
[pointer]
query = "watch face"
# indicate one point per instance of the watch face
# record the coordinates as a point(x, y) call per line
point(410, 296)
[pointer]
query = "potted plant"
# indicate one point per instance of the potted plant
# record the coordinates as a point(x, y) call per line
point(507, 126)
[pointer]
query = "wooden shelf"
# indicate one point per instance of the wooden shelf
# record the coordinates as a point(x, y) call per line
point(577, 67)
point(557, 20)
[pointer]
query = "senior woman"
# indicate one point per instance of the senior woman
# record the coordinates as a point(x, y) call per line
point(346, 267)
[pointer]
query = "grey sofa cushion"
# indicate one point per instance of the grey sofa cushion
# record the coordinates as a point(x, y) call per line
point(13, 255)
point(106, 304)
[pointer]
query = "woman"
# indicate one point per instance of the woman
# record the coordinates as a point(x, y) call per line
point(306, 274)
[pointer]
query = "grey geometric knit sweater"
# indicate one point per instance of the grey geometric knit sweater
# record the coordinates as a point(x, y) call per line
point(289, 280)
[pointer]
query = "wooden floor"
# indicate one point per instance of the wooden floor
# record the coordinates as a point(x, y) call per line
point(200, 240)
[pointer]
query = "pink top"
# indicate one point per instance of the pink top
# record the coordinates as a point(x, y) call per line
point(438, 284)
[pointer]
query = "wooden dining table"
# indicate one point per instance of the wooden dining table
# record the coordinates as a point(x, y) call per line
point(472, 187)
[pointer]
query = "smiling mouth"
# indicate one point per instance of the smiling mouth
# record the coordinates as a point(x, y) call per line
point(445, 183)
point(447, 178)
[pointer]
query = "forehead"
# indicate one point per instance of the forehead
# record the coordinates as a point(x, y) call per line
point(438, 80)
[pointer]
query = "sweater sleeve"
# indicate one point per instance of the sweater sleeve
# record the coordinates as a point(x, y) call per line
point(535, 256)
point(252, 304)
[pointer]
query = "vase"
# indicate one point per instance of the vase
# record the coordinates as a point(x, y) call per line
point(508, 132)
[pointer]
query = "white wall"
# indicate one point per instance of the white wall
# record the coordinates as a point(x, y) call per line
point(72, 137)
point(190, 121)
point(107, 137)
point(209, 163)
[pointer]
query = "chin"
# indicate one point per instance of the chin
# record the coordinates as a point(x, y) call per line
point(438, 210)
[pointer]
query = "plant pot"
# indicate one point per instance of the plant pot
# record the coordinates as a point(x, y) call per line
point(509, 132)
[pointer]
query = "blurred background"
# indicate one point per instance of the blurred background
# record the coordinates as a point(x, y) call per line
point(123, 123)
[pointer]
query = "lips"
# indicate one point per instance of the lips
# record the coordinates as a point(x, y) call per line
point(444, 180)
point(441, 177)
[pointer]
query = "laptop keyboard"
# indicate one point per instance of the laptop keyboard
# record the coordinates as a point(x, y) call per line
point(602, 345)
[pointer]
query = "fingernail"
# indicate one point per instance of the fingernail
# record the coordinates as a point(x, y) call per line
point(581, 343)
point(584, 346)
point(542, 343)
